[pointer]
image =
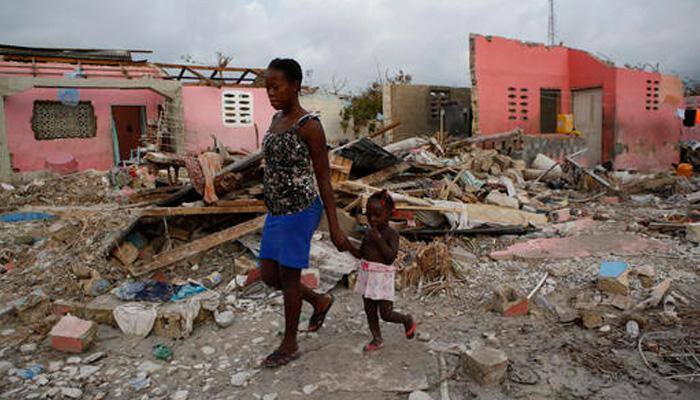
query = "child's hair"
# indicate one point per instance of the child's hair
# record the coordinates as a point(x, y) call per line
point(384, 198)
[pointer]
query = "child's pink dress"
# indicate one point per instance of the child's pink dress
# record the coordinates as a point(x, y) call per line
point(375, 280)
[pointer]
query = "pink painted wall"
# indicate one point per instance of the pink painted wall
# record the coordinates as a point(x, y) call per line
point(502, 63)
point(203, 117)
point(645, 139)
point(29, 154)
point(694, 132)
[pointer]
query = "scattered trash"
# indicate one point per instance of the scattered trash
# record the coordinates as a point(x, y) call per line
point(162, 352)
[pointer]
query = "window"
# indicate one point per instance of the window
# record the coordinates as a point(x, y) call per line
point(517, 103)
point(652, 98)
point(55, 120)
point(237, 108)
point(438, 99)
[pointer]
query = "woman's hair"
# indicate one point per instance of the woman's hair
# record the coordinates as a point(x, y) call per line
point(384, 198)
point(289, 67)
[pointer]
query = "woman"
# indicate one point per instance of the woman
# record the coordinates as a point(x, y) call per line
point(296, 164)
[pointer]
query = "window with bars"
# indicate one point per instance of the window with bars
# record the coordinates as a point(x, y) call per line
point(55, 120)
point(438, 99)
point(652, 100)
point(517, 103)
point(237, 108)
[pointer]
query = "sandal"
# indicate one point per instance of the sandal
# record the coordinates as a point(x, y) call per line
point(317, 319)
point(278, 359)
point(372, 346)
point(411, 332)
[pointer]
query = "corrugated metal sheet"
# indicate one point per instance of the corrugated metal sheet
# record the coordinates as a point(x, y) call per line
point(367, 157)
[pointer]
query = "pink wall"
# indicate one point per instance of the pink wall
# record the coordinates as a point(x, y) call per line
point(28, 154)
point(645, 139)
point(502, 63)
point(202, 108)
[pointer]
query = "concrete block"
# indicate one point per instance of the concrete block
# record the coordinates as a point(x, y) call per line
point(311, 277)
point(613, 277)
point(592, 319)
point(502, 200)
point(610, 199)
point(126, 253)
point(72, 334)
point(486, 365)
point(561, 215)
point(692, 232)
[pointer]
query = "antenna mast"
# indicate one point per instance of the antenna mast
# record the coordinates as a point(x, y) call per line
point(550, 25)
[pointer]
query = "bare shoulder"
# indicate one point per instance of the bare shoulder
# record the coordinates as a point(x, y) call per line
point(312, 129)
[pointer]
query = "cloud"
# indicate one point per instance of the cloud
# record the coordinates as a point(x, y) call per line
point(358, 40)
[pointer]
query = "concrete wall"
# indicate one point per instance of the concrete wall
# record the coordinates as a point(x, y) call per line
point(28, 154)
point(203, 117)
point(410, 104)
point(645, 139)
point(632, 137)
point(554, 146)
point(328, 107)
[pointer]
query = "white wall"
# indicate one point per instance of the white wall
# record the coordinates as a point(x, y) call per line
point(328, 107)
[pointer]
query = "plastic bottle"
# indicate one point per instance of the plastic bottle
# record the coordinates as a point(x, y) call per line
point(212, 280)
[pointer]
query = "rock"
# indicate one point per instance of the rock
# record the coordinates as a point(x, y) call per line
point(28, 348)
point(72, 393)
point(308, 389)
point(55, 366)
point(692, 232)
point(150, 367)
point(73, 335)
point(486, 365)
point(632, 328)
point(258, 340)
point(613, 277)
point(419, 395)
point(94, 357)
point(5, 366)
point(621, 302)
point(423, 336)
point(74, 360)
point(502, 200)
point(591, 319)
point(180, 395)
point(87, 371)
point(565, 314)
point(224, 319)
point(42, 380)
point(240, 379)
point(270, 396)
point(605, 328)
point(7, 332)
point(208, 350)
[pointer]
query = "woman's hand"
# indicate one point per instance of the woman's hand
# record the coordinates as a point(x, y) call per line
point(340, 240)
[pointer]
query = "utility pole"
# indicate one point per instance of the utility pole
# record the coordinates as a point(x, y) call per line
point(550, 27)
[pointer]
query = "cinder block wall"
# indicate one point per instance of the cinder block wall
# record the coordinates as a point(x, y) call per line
point(553, 146)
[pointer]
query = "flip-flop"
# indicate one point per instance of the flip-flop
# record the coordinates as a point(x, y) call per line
point(411, 332)
point(371, 346)
point(278, 359)
point(317, 319)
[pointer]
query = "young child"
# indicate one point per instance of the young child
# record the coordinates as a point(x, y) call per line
point(375, 275)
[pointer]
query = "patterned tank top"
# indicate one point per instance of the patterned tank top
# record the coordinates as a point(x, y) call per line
point(289, 181)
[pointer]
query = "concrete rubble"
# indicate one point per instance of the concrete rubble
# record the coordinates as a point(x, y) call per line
point(529, 280)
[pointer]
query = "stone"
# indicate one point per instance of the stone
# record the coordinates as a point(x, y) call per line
point(270, 396)
point(423, 336)
point(55, 366)
point(486, 365)
point(500, 199)
point(621, 302)
point(5, 366)
point(258, 340)
point(591, 319)
point(308, 389)
point(94, 357)
point(7, 332)
point(610, 200)
point(74, 360)
point(613, 277)
point(561, 215)
point(240, 379)
point(224, 319)
point(180, 395)
point(42, 380)
point(605, 328)
point(419, 395)
point(87, 371)
point(509, 302)
point(150, 367)
point(73, 335)
point(28, 348)
point(72, 393)
point(208, 350)
point(692, 232)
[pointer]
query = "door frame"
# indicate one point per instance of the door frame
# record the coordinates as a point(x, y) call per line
point(115, 136)
point(602, 113)
point(558, 106)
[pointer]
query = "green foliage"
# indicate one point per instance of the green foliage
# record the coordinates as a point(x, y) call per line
point(364, 107)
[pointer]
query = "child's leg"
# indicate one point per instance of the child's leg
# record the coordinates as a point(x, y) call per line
point(386, 310)
point(371, 308)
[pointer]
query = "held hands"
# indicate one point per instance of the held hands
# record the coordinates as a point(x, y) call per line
point(340, 240)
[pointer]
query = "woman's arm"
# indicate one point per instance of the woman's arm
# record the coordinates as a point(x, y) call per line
point(312, 132)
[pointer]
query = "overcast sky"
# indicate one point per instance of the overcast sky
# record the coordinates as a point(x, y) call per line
point(354, 39)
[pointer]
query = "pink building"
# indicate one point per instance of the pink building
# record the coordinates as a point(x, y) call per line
point(98, 107)
point(627, 116)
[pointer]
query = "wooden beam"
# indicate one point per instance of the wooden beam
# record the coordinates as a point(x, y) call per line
point(209, 68)
point(384, 130)
point(240, 78)
point(386, 173)
point(200, 76)
point(174, 211)
point(195, 247)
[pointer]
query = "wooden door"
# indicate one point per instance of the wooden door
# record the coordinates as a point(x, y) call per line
point(549, 108)
point(588, 118)
point(127, 125)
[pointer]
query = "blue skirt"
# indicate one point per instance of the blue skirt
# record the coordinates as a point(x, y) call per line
point(287, 238)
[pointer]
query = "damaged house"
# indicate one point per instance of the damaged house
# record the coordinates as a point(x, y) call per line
point(78, 109)
point(627, 116)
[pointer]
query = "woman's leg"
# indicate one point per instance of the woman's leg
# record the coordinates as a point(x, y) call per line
point(270, 273)
point(386, 310)
point(371, 309)
point(290, 282)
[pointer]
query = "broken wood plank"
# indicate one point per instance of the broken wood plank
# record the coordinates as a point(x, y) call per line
point(590, 173)
point(200, 245)
point(174, 211)
point(385, 174)
point(370, 136)
point(239, 202)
